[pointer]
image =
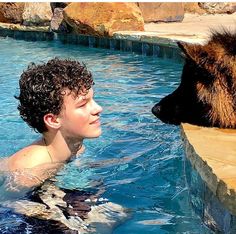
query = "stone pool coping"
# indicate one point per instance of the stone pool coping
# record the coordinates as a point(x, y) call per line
point(212, 152)
point(193, 29)
point(18, 27)
point(158, 39)
point(146, 45)
point(29, 33)
point(161, 38)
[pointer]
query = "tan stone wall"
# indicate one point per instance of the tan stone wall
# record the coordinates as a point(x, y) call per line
point(161, 11)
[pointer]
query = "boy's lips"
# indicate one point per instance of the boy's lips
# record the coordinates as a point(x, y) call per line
point(97, 121)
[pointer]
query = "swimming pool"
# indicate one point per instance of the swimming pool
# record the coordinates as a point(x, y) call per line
point(138, 159)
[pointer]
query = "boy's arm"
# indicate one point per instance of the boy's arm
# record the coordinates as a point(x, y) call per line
point(28, 178)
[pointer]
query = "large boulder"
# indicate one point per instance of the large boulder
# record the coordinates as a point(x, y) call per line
point(218, 7)
point(103, 18)
point(161, 11)
point(37, 13)
point(193, 7)
point(11, 12)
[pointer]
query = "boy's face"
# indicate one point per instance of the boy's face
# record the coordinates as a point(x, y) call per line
point(79, 117)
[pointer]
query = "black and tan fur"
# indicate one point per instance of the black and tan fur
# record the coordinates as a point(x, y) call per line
point(206, 95)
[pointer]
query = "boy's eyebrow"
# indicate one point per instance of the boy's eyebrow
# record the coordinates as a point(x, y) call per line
point(81, 98)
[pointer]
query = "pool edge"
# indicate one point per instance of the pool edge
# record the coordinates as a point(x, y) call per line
point(145, 45)
point(203, 150)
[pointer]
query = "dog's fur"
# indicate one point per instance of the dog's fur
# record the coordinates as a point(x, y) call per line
point(206, 95)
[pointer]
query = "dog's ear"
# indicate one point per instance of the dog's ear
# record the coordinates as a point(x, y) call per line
point(210, 58)
point(202, 56)
point(184, 47)
point(194, 52)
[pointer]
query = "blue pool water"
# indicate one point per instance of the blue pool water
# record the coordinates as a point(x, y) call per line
point(138, 160)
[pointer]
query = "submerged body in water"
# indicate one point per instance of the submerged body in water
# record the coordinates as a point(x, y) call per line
point(50, 208)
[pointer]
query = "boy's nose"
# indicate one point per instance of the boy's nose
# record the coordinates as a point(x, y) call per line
point(97, 108)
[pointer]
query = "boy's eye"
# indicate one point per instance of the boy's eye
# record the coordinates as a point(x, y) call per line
point(83, 104)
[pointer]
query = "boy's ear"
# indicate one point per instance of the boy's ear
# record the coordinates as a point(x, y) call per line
point(51, 121)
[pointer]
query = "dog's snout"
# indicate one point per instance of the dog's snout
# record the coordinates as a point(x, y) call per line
point(156, 110)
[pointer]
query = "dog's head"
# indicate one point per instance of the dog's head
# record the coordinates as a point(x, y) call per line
point(206, 95)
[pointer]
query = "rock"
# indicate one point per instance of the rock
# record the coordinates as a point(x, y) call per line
point(218, 7)
point(11, 12)
point(57, 23)
point(193, 7)
point(55, 5)
point(103, 18)
point(161, 12)
point(37, 13)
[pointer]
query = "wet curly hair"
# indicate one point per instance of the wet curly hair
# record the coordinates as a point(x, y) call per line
point(42, 88)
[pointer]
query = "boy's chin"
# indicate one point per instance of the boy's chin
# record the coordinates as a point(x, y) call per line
point(96, 134)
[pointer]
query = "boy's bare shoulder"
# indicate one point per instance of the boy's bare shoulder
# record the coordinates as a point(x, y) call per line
point(29, 157)
point(32, 166)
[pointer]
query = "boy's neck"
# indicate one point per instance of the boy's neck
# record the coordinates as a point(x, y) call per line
point(61, 148)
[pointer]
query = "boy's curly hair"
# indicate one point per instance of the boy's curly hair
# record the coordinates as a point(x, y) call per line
point(42, 88)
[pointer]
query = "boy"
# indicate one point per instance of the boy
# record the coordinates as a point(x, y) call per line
point(56, 100)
